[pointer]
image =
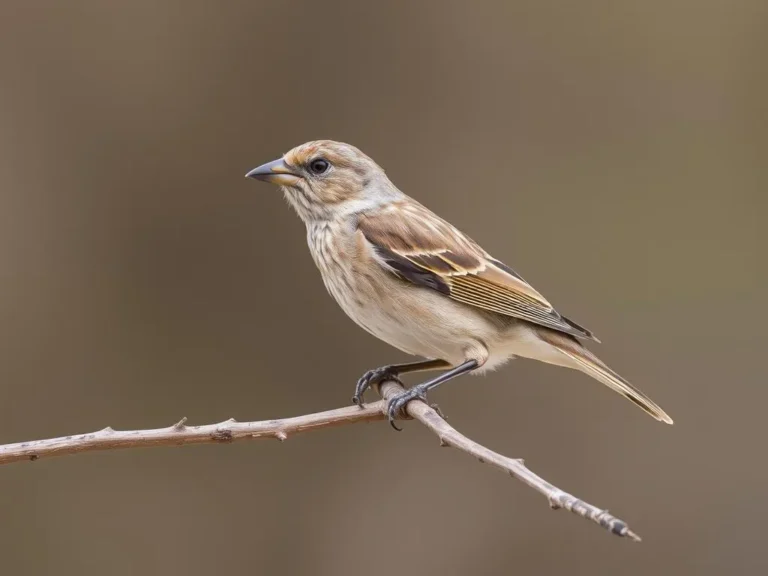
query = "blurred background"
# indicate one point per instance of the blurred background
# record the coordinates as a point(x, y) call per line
point(614, 153)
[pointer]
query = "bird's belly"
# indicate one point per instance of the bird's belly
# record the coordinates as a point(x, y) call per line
point(415, 320)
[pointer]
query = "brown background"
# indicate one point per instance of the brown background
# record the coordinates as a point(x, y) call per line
point(614, 153)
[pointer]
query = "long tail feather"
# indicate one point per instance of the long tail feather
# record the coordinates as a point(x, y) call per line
point(592, 366)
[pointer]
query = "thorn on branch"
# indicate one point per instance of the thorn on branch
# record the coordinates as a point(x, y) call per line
point(180, 425)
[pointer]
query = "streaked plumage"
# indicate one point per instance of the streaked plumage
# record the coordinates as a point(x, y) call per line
point(428, 251)
point(418, 283)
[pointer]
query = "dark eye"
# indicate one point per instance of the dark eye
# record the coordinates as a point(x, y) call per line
point(319, 166)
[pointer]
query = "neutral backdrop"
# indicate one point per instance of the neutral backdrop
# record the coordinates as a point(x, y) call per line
point(614, 153)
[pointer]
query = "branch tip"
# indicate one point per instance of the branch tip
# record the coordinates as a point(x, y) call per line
point(632, 536)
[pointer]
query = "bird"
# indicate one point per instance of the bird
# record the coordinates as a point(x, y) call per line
point(421, 285)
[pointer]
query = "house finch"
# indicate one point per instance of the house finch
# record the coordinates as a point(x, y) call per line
point(413, 280)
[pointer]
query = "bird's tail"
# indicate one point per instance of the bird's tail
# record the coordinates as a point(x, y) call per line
point(591, 365)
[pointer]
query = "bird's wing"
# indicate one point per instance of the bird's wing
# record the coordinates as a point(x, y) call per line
point(424, 249)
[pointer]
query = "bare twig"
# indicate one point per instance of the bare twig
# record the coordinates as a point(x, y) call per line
point(180, 434)
point(231, 430)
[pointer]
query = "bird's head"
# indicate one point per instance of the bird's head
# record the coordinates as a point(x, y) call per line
point(326, 179)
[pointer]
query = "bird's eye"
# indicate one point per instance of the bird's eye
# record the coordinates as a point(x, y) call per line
point(319, 166)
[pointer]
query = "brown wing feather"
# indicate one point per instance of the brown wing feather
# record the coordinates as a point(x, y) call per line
point(424, 249)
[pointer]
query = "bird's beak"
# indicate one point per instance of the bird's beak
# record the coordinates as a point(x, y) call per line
point(275, 172)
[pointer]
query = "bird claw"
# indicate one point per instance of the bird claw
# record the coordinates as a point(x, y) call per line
point(373, 378)
point(397, 404)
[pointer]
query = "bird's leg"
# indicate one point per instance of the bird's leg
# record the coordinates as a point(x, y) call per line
point(398, 402)
point(392, 372)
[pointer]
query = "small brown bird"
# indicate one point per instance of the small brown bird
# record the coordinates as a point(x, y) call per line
point(413, 280)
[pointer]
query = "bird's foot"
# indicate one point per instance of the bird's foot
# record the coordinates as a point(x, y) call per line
point(373, 378)
point(397, 404)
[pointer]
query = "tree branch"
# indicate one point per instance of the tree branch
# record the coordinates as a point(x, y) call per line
point(231, 430)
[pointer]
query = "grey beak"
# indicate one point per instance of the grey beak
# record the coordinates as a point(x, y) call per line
point(275, 172)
